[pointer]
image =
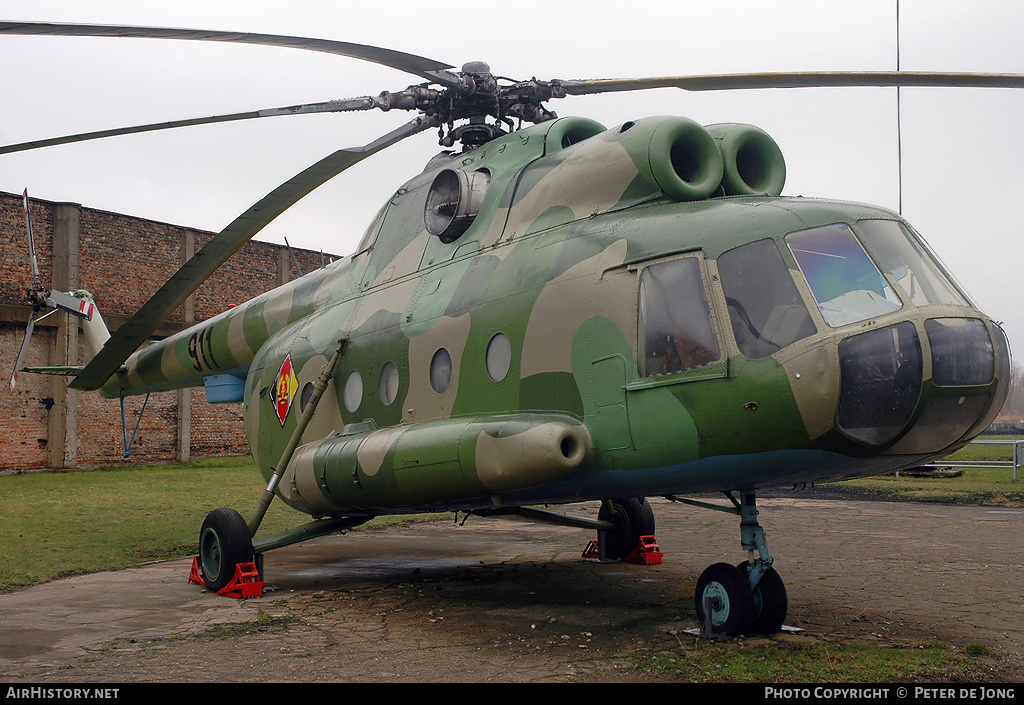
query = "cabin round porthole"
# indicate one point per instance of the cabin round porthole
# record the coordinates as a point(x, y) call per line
point(441, 371)
point(307, 394)
point(353, 391)
point(499, 357)
point(388, 383)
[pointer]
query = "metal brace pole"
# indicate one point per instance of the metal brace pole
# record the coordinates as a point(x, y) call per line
point(268, 494)
point(602, 534)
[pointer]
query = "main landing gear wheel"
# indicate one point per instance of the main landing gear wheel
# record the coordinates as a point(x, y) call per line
point(770, 601)
point(224, 542)
point(633, 518)
point(725, 602)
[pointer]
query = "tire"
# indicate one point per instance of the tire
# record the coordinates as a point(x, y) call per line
point(727, 589)
point(770, 601)
point(633, 518)
point(224, 542)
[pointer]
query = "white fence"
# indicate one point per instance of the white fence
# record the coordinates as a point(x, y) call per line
point(1015, 462)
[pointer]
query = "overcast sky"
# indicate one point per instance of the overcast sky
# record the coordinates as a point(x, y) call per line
point(962, 148)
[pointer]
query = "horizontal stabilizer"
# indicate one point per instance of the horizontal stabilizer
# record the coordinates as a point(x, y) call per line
point(66, 370)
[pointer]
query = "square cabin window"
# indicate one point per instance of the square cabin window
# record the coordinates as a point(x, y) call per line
point(676, 331)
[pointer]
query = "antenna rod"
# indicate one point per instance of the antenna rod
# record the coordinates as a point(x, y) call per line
point(899, 118)
point(294, 260)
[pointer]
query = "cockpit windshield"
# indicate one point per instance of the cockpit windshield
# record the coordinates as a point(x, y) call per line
point(908, 263)
point(845, 282)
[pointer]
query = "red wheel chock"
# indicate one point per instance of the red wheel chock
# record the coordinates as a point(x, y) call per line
point(245, 585)
point(196, 575)
point(646, 552)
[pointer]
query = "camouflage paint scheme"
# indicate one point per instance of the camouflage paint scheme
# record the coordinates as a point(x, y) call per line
point(552, 261)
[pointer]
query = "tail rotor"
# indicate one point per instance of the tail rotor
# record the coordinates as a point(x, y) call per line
point(39, 298)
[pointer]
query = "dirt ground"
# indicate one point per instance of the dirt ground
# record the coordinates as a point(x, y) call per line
point(507, 601)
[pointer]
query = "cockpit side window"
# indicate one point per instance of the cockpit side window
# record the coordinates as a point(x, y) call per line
point(908, 263)
point(845, 282)
point(765, 307)
point(676, 332)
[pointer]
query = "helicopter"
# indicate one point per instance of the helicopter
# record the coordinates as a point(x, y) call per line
point(556, 312)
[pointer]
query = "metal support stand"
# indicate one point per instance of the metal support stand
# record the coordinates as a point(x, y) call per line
point(124, 426)
point(602, 535)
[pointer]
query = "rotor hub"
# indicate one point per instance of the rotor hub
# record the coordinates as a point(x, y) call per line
point(477, 68)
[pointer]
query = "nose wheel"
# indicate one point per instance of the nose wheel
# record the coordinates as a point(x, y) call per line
point(749, 598)
point(725, 602)
point(770, 601)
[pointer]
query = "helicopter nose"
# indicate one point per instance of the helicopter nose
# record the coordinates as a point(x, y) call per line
point(921, 393)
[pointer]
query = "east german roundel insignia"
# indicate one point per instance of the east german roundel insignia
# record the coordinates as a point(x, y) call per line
point(284, 390)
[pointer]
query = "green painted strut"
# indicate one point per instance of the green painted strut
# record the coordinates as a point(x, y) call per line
point(268, 494)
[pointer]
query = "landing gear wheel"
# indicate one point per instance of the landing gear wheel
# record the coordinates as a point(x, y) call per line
point(224, 542)
point(770, 601)
point(633, 518)
point(731, 601)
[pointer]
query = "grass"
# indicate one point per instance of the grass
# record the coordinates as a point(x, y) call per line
point(978, 486)
point(808, 662)
point(58, 524)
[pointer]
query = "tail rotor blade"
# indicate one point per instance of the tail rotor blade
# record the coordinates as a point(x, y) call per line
point(32, 260)
point(24, 349)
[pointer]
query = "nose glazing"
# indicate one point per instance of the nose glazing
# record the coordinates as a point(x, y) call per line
point(921, 394)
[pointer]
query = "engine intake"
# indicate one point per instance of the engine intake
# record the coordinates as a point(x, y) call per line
point(753, 163)
point(684, 160)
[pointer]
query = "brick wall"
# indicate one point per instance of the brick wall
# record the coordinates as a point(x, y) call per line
point(123, 260)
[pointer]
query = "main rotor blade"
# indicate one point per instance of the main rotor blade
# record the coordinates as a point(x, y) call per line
point(811, 79)
point(129, 336)
point(333, 106)
point(410, 63)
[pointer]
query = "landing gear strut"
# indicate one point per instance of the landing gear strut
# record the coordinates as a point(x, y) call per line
point(746, 599)
point(225, 541)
